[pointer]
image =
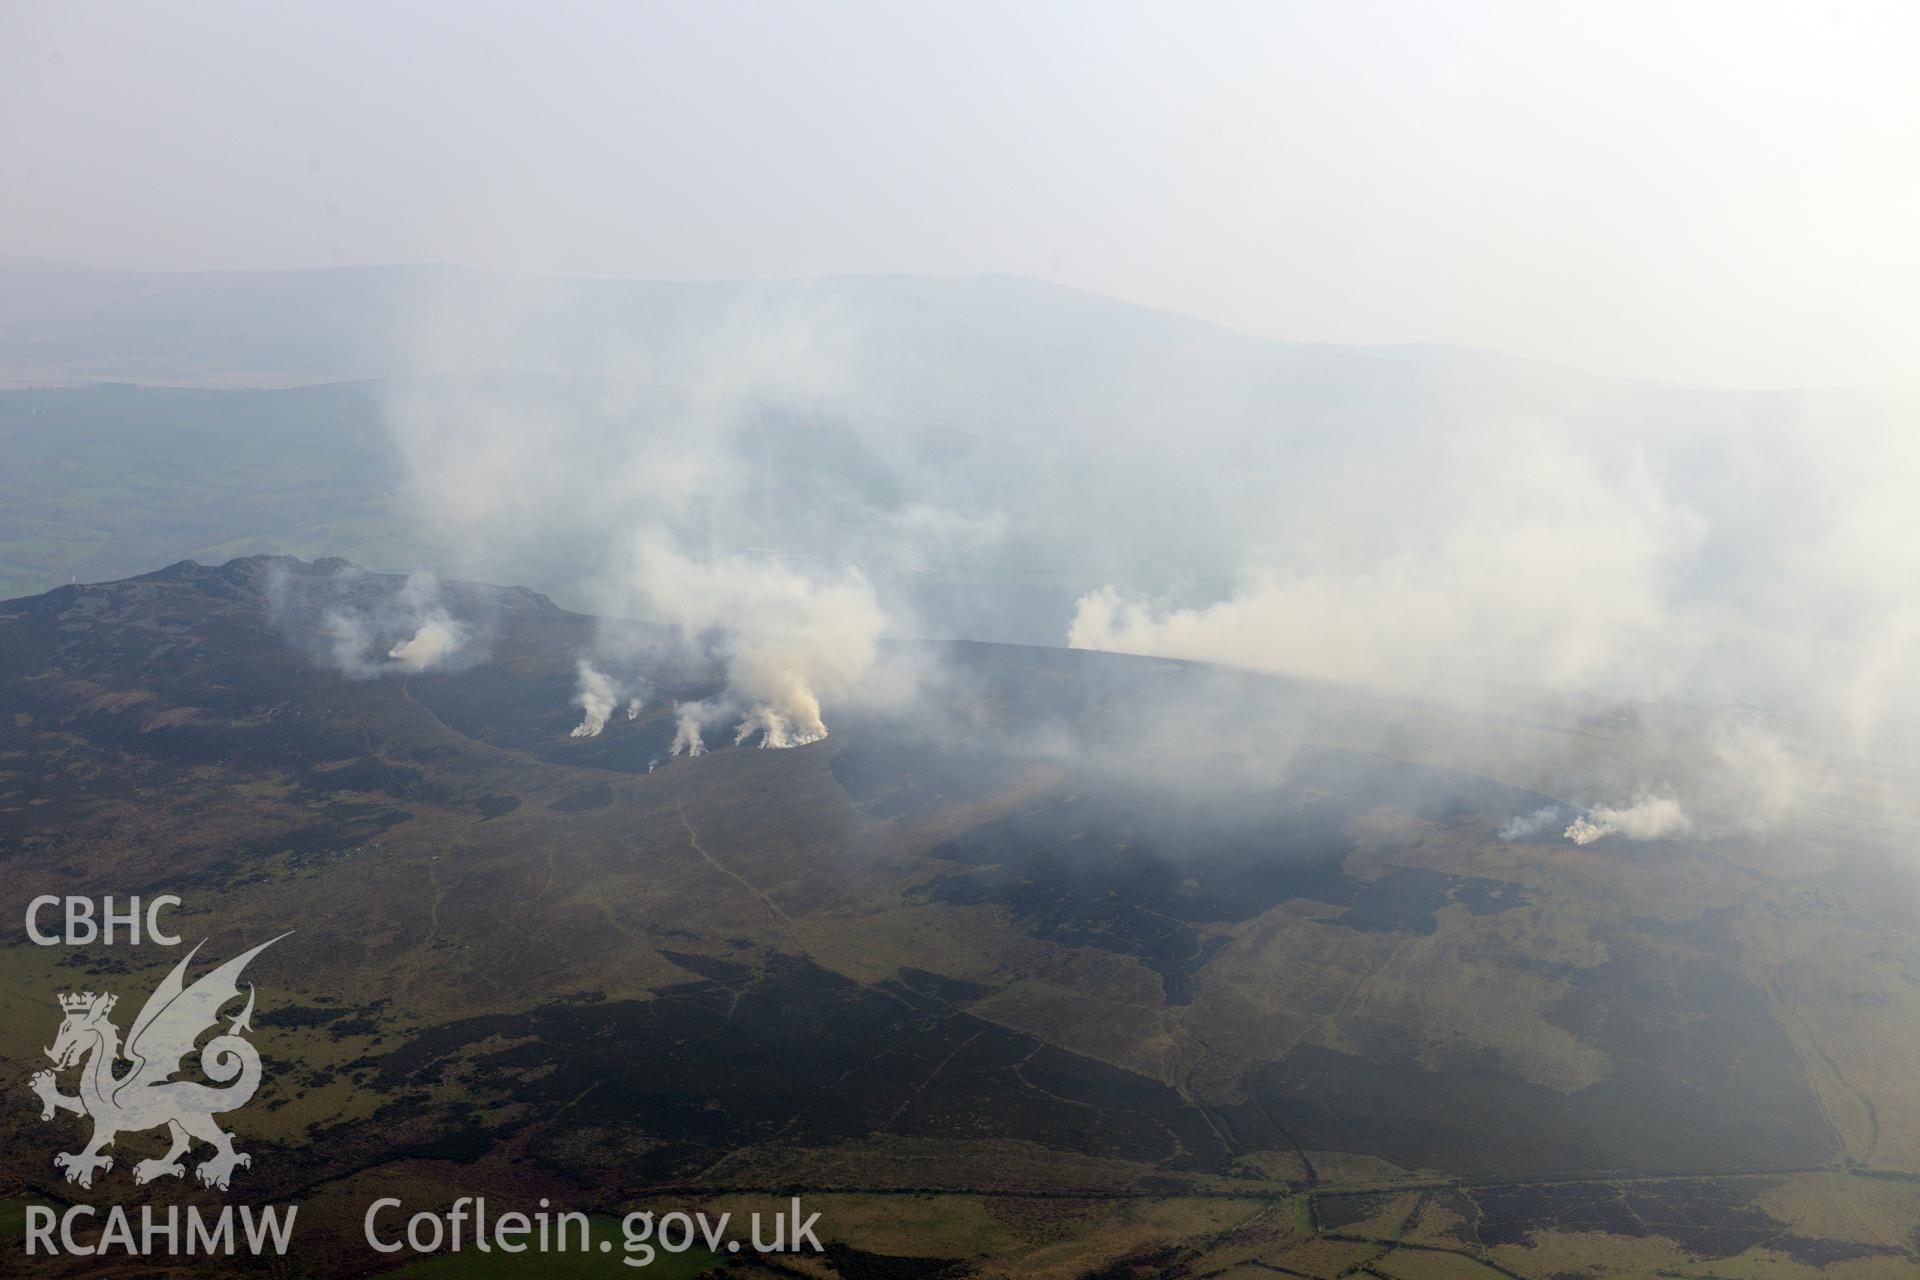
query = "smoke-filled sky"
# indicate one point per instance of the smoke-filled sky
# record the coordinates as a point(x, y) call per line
point(1717, 193)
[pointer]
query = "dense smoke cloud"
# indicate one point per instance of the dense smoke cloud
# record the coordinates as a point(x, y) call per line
point(790, 641)
point(1747, 559)
point(1707, 590)
point(435, 640)
point(1648, 818)
point(660, 472)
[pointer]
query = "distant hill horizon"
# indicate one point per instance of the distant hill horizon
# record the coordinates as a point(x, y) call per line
point(66, 324)
point(991, 453)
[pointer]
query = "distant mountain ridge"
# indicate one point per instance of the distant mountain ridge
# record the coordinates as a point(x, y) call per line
point(1109, 443)
point(62, 324)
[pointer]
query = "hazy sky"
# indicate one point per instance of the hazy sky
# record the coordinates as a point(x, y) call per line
point(1710, 192)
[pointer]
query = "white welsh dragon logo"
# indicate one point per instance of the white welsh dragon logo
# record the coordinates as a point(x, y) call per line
point(146, 1096)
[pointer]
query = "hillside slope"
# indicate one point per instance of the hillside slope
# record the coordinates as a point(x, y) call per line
point(935, 958)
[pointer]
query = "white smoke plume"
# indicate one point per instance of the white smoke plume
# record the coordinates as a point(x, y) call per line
point(788, 641)
point(598, 696)
point(1648, 818)
point(437, 639)
point(1520, 826)
point(430, 636)
point(665, 474)
point(816, 639)
point(776, 730)
point(690, 721)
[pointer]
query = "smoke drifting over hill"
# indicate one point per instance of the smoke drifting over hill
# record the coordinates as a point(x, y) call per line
point(1749, 556)
point(784, 474)
point(653, 472)
point(368, 631)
